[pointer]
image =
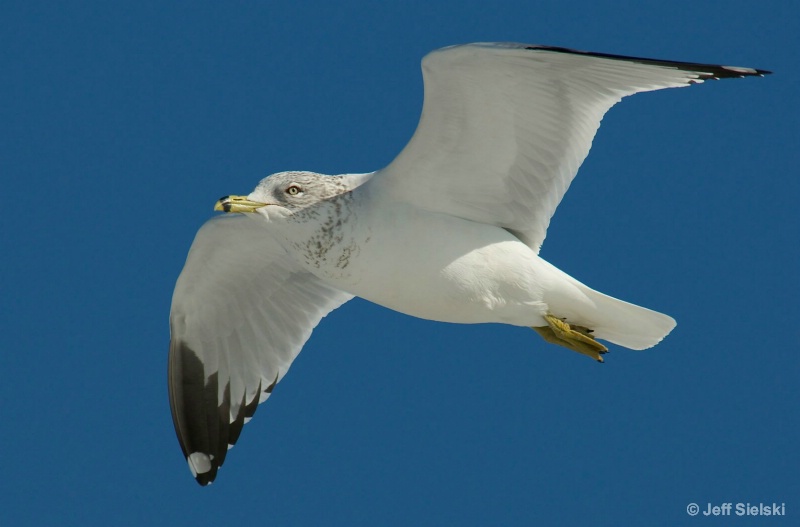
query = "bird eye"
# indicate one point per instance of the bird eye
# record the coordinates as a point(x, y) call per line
point(293, 190)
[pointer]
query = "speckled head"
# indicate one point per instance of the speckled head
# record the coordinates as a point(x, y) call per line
point(294, 195)
point(297, 190)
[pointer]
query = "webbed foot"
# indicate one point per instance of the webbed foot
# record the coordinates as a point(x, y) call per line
point(576, 338)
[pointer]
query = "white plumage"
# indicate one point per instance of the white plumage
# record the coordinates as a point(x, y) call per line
point(449, 231)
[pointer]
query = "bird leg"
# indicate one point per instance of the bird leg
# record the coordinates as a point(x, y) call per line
point(576, 338)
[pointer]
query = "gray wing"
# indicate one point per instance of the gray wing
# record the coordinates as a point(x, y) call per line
point(505, 127)
point(241, 312)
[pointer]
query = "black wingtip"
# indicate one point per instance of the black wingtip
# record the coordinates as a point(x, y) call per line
point(709, 71)
point(203, 423)
point(200, 420)
point(206, 479)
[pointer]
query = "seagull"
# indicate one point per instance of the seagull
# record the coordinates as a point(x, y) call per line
point(449, 231)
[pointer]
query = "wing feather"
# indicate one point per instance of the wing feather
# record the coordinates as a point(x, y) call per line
point(505, 127)
point(241, 312)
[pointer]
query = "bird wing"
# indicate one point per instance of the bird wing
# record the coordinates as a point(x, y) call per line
point(505, 127)
point(241, 312)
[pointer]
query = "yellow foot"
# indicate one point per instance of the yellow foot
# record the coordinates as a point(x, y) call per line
point(576, 338)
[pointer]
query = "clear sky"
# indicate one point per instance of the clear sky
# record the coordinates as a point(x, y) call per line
point(121, 123)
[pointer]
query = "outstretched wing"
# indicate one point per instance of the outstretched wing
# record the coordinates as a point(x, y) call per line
point(505, 127)
point(241, 312)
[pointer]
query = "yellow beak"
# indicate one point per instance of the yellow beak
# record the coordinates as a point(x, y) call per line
point(237, 204)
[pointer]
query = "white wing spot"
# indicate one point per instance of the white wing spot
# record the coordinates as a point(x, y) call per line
point(199, 463)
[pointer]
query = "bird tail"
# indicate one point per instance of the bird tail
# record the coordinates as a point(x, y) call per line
point(626, 324)
point(611, 319)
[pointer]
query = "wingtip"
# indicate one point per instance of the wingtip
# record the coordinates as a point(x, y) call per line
point(708, 71)
point(202, 468)
point(740, 72)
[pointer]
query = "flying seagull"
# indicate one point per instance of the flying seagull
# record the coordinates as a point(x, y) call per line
point(449, 231)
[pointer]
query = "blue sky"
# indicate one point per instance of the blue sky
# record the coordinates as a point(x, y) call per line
point(122, 123)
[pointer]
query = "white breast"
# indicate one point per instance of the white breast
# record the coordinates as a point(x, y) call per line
point(436, 266)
